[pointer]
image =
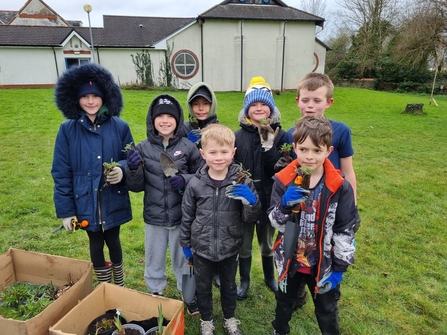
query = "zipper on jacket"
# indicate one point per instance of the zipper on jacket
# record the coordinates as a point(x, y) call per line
point(165, 185)
point(99, 207)
point(215, 223)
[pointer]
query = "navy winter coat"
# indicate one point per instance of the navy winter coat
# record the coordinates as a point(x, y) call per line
point(82, 147)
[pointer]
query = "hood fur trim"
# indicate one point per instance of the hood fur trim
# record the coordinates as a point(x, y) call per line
point(69, 84)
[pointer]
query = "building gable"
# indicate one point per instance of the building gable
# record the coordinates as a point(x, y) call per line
point(271, 10)
point(37, 13)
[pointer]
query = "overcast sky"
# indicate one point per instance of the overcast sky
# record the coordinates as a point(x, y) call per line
point(73, 9)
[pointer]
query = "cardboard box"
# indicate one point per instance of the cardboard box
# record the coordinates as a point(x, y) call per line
point(134, 305)
point(37, 268)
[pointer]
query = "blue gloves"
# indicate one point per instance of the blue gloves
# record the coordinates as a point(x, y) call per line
point(133, 159)
point(241, 192)
point(195, 135)
point(294, 195)
point(329, 282)
point(177, 183)
point(188, 253)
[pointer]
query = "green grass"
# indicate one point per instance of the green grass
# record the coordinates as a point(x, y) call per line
point(398, 284)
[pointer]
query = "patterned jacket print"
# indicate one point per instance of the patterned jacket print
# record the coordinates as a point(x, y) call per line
point(335, 219)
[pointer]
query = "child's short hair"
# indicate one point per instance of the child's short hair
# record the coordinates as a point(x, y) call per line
point(313, 81)
point(317, 128)
point(219, 133)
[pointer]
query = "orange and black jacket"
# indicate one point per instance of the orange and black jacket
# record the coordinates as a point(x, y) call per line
point(334, 224)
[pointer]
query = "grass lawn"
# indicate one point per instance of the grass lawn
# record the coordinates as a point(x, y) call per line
point(398, 284)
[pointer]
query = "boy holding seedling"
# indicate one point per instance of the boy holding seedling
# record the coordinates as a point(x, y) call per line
point(202, 106)
point(314, 96)
point(258, 143)
point(314, 203)
point(92, 136)
point(162, 193)
point(217, 201)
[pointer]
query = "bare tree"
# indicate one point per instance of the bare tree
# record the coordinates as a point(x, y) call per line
point(371, 23)
point(361, 13)
point(316, 7)
point(422, 36)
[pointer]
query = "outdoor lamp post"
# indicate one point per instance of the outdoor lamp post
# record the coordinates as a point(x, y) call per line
point(88, 9)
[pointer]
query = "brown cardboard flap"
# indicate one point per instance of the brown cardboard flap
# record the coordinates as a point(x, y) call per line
point(37, 268)
point(134, 305)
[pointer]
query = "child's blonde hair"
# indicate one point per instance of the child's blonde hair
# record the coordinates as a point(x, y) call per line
point(317, 128)
point(313, 81)
point(219, 133)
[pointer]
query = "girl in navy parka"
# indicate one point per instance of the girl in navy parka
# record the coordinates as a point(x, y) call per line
point(93, 133)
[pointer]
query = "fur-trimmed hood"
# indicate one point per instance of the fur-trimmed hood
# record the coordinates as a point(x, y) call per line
point(68, 85)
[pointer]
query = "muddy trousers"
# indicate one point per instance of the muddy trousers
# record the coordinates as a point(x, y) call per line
point(326, 308)
point(204, 270)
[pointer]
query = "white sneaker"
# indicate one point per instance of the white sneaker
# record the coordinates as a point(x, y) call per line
point(206, 327)
point(230, 326)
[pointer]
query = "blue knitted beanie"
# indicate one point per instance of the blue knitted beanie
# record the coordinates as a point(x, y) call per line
point(258, 91)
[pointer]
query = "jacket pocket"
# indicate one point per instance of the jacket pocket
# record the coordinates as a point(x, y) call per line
point(83, 202)
point(118, 199)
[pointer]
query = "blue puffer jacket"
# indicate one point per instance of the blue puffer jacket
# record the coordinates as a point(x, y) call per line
point(82, 147)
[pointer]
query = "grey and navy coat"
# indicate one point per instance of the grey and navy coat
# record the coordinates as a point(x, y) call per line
point(335, 219)
point(83, 146)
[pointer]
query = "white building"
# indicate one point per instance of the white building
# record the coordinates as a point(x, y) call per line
point(225, 46)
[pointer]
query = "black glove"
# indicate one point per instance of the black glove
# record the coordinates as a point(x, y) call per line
point(282, 163)
point(357, 220)
point(133, 159)
point(177, 183)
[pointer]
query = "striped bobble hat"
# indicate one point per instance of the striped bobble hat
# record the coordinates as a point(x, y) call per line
point(258, 90)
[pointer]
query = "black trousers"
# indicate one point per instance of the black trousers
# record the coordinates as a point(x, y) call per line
point(111, 237)
point(326, 307)
point(204, 270)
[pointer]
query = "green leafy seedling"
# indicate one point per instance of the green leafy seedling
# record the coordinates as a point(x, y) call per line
point(285, 150)
point(160, 320)
point(128, 147)
point(109, 167)
point(118, 324)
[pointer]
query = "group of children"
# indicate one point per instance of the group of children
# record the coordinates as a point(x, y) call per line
point(202, 204)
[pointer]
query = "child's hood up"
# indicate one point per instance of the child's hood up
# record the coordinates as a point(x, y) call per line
point(175, 110)
point(67, 89)
point(191, 93)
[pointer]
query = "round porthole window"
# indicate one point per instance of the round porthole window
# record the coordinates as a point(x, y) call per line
point(185, 64)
